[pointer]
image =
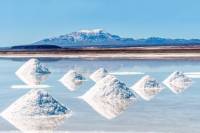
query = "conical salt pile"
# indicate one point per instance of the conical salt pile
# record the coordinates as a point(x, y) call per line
point(36, 110)
point(32, 72)
point(99, 74)
point(147, 87)
point(177, 82)
point(72, 80)
point(36, 103)
point(109, 97)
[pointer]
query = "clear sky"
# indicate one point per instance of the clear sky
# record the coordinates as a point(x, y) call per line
point(26, 21)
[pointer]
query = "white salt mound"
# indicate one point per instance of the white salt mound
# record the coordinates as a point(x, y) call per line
point(32, 72)
point(109, 97)
point(99, 74)
point(178, 82)
point(35, 103)
point(147, 87)
point(72, 80)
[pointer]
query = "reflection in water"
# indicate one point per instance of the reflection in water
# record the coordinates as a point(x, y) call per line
point(181, 113)
point(177, 82)
point(32, 72)
point(29, 111)
point(109, 97)
point(36, 124)
point(126, 73)
point(72, 80)
point(147, 87)
point(99, 74)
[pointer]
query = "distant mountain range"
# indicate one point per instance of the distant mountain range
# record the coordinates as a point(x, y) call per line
point(100, 38)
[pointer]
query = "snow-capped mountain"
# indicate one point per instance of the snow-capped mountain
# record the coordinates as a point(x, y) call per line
point(83, 37)
point(98, 37)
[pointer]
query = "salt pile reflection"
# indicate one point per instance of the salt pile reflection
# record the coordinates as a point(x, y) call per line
point(147, 87)
point(36, 124)
point(72, 80)
point(177, 82)
point(36, 110)
point(109, 97)
point(32, 72)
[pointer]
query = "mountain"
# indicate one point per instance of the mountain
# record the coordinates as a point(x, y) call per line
point(98, 37)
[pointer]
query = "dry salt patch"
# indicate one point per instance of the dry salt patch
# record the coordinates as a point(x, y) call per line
point(99, 74)
point(36, 110)
point(147, 87)
point(109, 97)
point(126, 73)
point(30, 87)
point(72, 80)
point(193, 74)
point(178, 82)
point(33, 72)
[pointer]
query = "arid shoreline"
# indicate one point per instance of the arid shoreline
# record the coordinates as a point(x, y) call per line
point(121, 53)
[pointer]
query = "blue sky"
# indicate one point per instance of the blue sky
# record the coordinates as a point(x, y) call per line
point(26, 21)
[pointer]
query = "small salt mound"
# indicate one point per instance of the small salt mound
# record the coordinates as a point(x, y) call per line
point(147, 87)
point(72, 80)
point(35, 103)
point(177, 82)
point(99, 74)
point(109, 97)
point(32, 72)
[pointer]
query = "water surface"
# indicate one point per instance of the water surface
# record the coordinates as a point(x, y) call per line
point(165, 113)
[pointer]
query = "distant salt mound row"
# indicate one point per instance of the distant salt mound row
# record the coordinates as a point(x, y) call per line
point(32, 72)
point(109, 97)
point(147, 87)
point(72, 80)
point(99, 74)
point(35, 103)
point(178, 82)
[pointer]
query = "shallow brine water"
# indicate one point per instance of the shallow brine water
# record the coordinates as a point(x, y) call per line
point(167, 112)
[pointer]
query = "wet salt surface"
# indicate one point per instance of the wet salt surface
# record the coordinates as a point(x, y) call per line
point(166, 112)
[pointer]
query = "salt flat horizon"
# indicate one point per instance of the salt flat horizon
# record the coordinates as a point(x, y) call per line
point(156, 56)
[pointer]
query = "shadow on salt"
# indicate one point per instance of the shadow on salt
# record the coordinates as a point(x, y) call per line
point(109, 97)
point(36, 111)
point(32, 73)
